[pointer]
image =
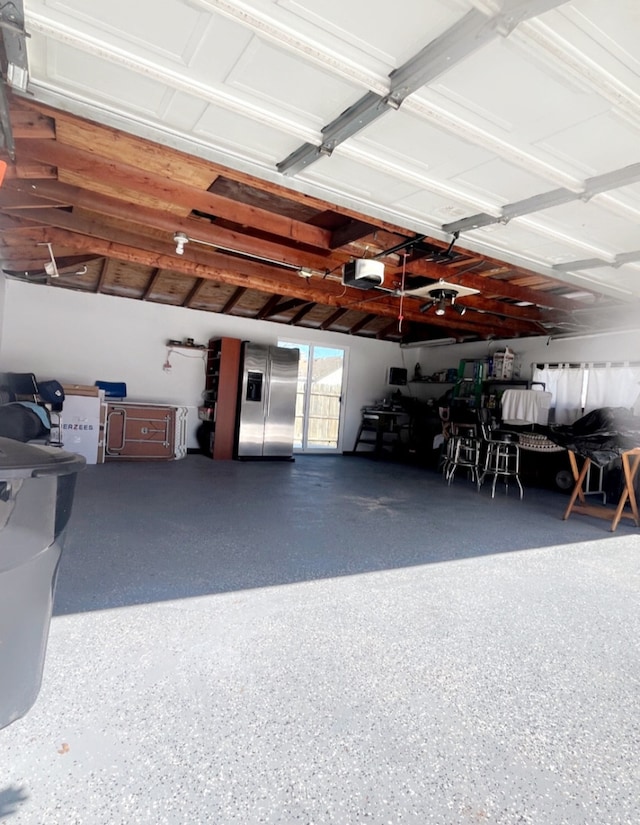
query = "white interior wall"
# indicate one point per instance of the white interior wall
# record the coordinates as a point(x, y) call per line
point(78, 338)
point(597, 347)
point(611, 346)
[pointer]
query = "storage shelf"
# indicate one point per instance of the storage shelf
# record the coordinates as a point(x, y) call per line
point(429, 381)
point(221, 391)
point(198, 347)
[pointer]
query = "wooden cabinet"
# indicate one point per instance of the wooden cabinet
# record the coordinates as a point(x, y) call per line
point(221, 394)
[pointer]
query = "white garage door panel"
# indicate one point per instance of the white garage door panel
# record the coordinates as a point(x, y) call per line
point(503, 88)
point(600, 145)
point(117, 85)
point(597, 225)
point(169, 29)
point(276, 77)
point(391, 35)
point(238, 134)
point(419, 144)
point(359, 180)
point(503, 182)
point(432, 208)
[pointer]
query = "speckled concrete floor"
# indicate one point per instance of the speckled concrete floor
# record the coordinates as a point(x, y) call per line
point(333, 640)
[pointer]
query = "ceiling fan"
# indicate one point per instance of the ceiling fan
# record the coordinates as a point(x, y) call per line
point(442, 294)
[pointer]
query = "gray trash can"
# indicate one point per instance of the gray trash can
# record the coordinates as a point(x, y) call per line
point(36, 493)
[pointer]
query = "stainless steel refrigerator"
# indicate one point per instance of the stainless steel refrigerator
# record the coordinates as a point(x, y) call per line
point(267, 405)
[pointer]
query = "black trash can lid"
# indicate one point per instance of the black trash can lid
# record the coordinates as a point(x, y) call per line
point(20, 460)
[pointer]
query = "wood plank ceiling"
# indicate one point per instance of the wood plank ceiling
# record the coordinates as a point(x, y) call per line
point(103, 207)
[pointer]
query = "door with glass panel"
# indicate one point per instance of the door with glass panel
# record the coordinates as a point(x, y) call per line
point(321, 373)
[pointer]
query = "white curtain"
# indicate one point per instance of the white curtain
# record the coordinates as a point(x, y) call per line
point(612, 387)
point(575, 388)
point(565, 385)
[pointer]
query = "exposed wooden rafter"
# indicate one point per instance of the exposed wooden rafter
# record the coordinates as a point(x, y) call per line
point(100, 195)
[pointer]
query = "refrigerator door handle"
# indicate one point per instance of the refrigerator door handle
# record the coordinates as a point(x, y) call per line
point(269, 390)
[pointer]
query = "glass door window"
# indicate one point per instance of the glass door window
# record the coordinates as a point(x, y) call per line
point(319, 397)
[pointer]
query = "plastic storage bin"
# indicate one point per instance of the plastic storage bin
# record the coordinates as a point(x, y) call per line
point(36, 494)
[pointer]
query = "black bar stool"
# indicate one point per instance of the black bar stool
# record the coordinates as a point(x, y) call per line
point(501, 460)
point(462, 451)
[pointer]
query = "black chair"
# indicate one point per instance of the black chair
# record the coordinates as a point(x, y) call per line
point(22, 386)
point(48, 396)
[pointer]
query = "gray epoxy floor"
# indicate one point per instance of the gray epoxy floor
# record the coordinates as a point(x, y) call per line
point(334, 640)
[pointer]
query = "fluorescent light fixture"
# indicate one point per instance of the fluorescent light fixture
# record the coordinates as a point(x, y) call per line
point(432, 342)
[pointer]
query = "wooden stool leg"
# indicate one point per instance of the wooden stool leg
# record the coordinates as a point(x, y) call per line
point(628, 492)
point(630, 472)
point(579, 477)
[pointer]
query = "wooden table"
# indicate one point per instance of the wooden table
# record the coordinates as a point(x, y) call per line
point(578, 504)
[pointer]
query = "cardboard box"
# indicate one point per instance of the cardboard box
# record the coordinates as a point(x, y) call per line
point(81, 389)
point(83, 426)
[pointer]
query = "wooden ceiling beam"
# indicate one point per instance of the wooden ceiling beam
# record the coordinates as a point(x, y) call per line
point(144, 216)
point(94, 237)
point(285, 306)
point(105, 270)
point(234, 270)
point(16, 198)
point(37, 264)
point(105, 148)
point(30, 171)
point(123, 144)
point(151, 283)
point(333, 318)
point(193, 292)
point(506, 309)
point(26, 123)
point(149, 184)
point(268, 307)
point(351, 231)
point(304, 310)
point(392, 328)
point(233, 300)
point(361, 324)
point(491, 286)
